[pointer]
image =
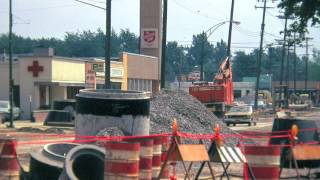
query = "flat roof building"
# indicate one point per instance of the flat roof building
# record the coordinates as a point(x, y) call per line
point(42, 78)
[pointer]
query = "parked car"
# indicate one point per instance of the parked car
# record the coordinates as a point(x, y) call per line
point(4, 110)
point(261, 104)
point(239, 115)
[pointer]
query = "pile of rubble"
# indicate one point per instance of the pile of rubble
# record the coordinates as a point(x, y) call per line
point(192, 116)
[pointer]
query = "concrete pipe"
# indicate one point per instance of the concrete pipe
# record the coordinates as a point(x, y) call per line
point(48, 162)
point(85, 162)
point(100, 109)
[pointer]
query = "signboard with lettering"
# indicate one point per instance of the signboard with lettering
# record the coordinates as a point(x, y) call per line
point(98, 67)
point(150, 38)
point(116, 72)
point(90, 81)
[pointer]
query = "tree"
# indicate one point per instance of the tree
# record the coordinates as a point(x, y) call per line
point(176, 63)
point(129, 42)
point(200, 51)
point(244, 65)
point(303, 10)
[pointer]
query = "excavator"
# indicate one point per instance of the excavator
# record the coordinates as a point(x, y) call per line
point(217, 96)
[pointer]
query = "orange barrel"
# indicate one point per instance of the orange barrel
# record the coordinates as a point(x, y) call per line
point(122, 161)
point(164, 151)
point(146, 154)
point(9, 166)
point(264, 161)
point(156, 159)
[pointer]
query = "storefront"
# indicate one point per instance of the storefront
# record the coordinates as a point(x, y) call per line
point(41, 78)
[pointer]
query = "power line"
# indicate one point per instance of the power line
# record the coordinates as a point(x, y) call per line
point(195, 12)
point(89, 4)
point(41, 8)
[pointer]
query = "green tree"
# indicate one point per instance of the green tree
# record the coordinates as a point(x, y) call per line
point(200, 52)
point(129, 42)
point(176, 61)
point(303, 11)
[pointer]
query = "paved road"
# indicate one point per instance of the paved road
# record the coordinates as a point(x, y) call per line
point(263, 124)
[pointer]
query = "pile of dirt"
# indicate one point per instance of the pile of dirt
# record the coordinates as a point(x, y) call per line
point(192, 116)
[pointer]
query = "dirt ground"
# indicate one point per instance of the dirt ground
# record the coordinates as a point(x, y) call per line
point(32, 136)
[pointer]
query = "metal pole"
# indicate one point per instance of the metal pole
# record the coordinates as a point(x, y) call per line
point(306, 73)
point(283, 55)
point(287, 63)
point(260, 55)
point(294, 65)
point(202, 56)
point(108, 45)
point(164, 44)
point(230, 29)
point(287, 74)
point(10, 66)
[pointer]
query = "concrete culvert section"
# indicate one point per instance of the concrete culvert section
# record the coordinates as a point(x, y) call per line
point(48, 162)
point(99, 109)
point(85, 162)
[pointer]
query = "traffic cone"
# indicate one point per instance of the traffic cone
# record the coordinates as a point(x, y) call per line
point(9, 166)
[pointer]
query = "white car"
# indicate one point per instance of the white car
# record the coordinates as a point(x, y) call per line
point(239, 115)
point(4, 110)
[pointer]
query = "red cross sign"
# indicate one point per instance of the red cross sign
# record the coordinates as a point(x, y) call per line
point(35, 68)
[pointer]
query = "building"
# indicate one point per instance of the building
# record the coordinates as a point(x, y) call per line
point(42, 78)
point(313, 89)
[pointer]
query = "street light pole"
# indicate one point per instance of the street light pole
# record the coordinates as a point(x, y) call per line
point(260, 55)
point(205, 35)
point(10, 66)
point(108, 45)
point(164, 44)
point(230, 30)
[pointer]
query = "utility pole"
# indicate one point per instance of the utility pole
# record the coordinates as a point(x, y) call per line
point(294, 64)
point(10, 67)
point(260, 55)
point(230, 29)
point(306, 63)
point(203, 37)
point(164, 44)
point(108, 45)
point(283, 55)
point(287, 63)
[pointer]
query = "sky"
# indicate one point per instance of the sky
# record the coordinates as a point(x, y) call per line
point(53, 18)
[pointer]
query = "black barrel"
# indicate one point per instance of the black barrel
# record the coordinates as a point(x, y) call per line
point(99, 109)
point(310, 136)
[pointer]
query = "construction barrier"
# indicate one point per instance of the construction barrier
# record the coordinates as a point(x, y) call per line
point(264, 161)
point(9, 166)
point(156, 159)
point(164, 153)
point(122, 161)
point(126, 160)
point(146, 154)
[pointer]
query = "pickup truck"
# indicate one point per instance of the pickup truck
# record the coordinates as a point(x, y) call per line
point(239, 115)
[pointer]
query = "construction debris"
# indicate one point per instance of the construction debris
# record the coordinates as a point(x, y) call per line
point(192, 115)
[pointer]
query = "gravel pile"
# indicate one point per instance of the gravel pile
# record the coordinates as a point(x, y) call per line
point(37, 130)
point(192, 116)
